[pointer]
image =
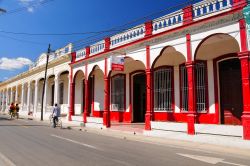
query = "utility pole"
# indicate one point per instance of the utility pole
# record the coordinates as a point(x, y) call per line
point(44, 82)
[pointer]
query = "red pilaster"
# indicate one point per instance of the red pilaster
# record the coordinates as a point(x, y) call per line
point(87, 51)
point(239, 3)
point(243, 35)
point(107, 44)
point(244, 60)
point(106, 113)
point(149, 113)
point(189, 50)
point(73, 56)
point(187, 14)
point(149, 28)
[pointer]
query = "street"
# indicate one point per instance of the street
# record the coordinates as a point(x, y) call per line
point(31, 143)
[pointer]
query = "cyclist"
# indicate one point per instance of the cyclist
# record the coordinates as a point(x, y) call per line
point(11, 109)
point(55, 114)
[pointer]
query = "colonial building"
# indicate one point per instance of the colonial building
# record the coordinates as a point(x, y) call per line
point(190, 66)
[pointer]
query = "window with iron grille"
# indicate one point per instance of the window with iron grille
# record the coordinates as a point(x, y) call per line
point(183, 88)
point(117, 92)
point(163, 89)
point(201, 74)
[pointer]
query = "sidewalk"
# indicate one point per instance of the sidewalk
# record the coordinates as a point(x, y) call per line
point(138, 130)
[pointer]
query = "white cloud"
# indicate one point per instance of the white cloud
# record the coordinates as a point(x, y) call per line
point(13, 64)
point(30, 4)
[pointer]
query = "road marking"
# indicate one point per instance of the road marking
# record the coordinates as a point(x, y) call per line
point(76, 142)
point(210, 160)
point(5, 161)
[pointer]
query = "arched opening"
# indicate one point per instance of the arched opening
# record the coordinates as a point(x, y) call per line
point(96, 92)
point(218, 84)
point(170, 93)
point(79, 92)
point(63, 91)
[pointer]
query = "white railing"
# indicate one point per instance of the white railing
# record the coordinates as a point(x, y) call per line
point(97, 47)
point(130, 35)
point(80, 54)
point(208, 7)
point(58, 53)
point(168, 22)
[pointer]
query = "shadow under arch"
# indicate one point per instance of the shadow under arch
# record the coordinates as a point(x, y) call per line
point(171, 55)
point(218, 43)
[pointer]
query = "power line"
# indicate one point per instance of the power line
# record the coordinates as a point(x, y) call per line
point(22, 40)
point(31, 4)
point(118, 28)
point(54, 34)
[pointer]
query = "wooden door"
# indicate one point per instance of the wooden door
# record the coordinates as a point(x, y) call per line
point(230, 92)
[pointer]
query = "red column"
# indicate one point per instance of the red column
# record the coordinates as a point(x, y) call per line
point(72, 100)
point(244, 60)
point(106, 114)
point(191, 117)
point(86, 102)
point(72, 89)
point(149, 113)
point(187, 14)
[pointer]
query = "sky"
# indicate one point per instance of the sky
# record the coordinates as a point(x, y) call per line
point(60, 22)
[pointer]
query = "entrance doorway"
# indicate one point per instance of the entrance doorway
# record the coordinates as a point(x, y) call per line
point(230, 92)
point(139, 97)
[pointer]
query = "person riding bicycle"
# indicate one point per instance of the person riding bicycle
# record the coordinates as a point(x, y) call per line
point(11, 109)
point(55, 114)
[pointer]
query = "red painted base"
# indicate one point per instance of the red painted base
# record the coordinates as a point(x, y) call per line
point(85, 114)
point(246, 125)
point(191, 118)
point(148, 118)
point(106, 119)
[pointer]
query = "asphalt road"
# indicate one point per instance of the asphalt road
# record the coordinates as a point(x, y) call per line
point(30, 143)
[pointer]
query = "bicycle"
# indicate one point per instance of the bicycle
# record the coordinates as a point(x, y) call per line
point(58, 122)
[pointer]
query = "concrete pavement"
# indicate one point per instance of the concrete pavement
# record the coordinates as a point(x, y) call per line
point(27, 142)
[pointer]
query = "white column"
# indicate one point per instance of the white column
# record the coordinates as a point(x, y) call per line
point(45, 96)
point(4, 100)
point(11, 95)
point(56, 90)
point(7, 98)
point(36, 96)
point(16, 97)
point(69, 91)
point(22, 97)
point(28, 97)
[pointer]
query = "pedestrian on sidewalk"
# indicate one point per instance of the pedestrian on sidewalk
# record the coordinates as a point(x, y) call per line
point(55, 114)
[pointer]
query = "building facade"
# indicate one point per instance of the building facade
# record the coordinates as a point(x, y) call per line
point(190, 66)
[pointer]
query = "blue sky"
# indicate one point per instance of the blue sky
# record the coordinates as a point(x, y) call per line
point(63, 16)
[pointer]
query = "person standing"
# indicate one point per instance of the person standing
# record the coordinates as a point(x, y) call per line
point(55, 114)
point(17, 111)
